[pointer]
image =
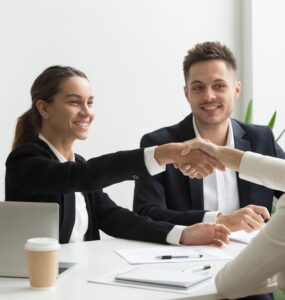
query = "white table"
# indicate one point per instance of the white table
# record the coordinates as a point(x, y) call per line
point(98, 258)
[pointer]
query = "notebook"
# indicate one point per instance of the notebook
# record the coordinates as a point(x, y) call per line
point(20, 221)
point(162, 277)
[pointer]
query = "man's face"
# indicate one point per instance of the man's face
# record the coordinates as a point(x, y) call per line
point(211, 90)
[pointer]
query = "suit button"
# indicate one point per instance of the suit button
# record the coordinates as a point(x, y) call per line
point(135, 177)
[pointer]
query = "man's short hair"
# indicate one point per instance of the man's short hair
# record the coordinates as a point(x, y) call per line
point(206, 51)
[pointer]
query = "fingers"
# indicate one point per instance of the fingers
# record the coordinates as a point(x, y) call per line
point(200, 170)
point(198, 164)
point(222, 228)
point(216, 164)
point(217, 243)
point(205, 234)
point(222, 233)
point(247, 218)
point(261, 211)
point(188, 146)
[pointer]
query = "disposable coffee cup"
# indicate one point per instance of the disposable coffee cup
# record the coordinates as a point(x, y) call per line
point(42, 258)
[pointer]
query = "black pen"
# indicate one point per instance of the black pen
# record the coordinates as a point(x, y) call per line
point(198, 268)
point(178, 256)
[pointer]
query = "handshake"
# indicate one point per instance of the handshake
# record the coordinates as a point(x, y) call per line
point(198, 158)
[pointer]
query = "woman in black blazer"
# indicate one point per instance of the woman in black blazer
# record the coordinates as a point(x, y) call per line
point(43, 168)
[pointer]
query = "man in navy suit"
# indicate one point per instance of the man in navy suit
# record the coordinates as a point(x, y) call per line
point(211, 88)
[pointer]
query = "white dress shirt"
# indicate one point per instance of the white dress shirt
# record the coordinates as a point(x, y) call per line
point(220, 188)
point(81, 215)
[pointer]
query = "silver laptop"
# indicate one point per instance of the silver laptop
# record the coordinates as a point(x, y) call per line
point(20, 221)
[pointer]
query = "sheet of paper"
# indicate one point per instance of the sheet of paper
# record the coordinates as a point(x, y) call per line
point(110, 279)
point(149, 255)
point(243, 236)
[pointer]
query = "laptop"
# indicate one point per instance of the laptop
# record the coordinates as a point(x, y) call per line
point(20, 221)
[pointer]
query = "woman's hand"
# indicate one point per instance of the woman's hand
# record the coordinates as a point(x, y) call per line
point(205, 234)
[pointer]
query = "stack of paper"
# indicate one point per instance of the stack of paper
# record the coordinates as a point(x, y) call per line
point(163, 277)
point(171, 280)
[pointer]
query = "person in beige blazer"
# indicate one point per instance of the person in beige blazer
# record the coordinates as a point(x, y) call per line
point(264, 257)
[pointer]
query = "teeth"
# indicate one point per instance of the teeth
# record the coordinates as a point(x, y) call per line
point(81, 124)
point(210, 107)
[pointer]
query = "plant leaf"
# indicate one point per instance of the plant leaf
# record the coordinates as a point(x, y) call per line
point(248, 114)
point(272, 120)
point(280, 135)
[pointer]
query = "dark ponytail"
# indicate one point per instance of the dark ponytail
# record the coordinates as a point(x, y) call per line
point(25, 130)
point(46, 85)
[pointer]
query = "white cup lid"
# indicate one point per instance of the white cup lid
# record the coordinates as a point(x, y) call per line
point(42, 244)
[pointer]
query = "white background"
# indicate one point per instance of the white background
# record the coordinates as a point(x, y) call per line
point(132, 51)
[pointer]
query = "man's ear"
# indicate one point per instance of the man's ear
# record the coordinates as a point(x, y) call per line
point(237, 90)
point(42, 107)
point(186, 93)
point(185, 90)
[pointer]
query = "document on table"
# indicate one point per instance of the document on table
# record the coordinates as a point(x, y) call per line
point(243, 236)
point(113, 278)
point(163, 277)
point(179, 254)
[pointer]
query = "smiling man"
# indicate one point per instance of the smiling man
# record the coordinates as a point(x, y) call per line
point(211, 88)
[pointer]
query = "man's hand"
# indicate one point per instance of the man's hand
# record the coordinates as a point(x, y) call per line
point(205, 234)
point(192, 162)
point(197, 164)
point(247, 218)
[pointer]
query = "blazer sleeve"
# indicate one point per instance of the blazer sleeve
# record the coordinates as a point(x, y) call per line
point(265, 255)
point(264, 170)
point(122, 223)
point(31, 169)
point(150, 197)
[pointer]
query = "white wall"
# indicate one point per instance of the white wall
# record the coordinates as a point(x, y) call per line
point(268, 49)
point(132, 51)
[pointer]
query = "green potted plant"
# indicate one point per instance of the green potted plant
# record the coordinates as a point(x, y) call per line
point(248, 119)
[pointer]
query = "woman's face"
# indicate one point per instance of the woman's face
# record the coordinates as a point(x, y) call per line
point(70, 114)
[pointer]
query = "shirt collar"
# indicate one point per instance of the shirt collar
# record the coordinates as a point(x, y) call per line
point(59, 156)
point(230, 138)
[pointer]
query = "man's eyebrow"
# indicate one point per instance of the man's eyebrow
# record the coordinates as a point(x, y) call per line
point(201, 82)
point(196, 82)
point(219, 80)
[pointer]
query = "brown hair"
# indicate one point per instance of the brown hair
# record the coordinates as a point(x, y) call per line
point(206, 51)
point(45, 86)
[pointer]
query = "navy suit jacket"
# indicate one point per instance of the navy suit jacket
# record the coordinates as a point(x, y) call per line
point(34, 174)
point(173, 197)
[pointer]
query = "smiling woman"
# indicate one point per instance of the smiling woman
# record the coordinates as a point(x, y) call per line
point(43, 168)
point(69, 115)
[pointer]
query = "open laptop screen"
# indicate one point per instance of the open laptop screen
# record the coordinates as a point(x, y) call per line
point(20, 221)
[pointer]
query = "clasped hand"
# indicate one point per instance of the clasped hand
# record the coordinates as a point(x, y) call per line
point(193, 160)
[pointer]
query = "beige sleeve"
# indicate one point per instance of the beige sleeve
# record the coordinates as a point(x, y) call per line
point(264, 170)
point(263, 258)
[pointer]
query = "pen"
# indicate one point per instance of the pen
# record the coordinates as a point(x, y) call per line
point(178, 256)
point(197, 269)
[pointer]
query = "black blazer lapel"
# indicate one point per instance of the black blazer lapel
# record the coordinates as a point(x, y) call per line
point(244, 187)
point(67, 217)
